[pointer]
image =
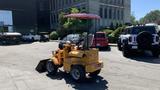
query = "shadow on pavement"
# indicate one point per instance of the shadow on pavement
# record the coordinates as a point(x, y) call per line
point(105, 49)
point(145, 57)
point(21, 43)
point(98, 83)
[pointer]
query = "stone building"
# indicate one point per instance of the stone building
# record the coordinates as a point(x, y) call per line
point(111, 11)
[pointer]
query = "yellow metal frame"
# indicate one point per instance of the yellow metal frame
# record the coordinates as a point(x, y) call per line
point(70, 56)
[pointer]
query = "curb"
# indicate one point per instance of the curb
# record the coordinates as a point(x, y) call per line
point(113, 45)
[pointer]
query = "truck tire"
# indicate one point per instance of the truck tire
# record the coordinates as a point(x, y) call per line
point(51, 68)
point(119, 47)
point(125, 51)
point(155, 53)
point(78, 73)
point(32, 39)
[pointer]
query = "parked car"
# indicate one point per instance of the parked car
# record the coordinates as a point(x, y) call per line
point(100, 41)
point(31, 37)
point(10, 38)
point(139, 38)
point(44, 36)
point(73, 38)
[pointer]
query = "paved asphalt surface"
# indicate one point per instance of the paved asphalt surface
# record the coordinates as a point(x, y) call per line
point(17, 70)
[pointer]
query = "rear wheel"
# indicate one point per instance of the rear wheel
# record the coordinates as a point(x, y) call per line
point(78, 73)
point(51, 68)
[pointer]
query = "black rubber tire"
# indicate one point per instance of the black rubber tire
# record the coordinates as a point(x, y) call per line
point(32, 39)
point(60, 46)
point(119, 47)
point(51, 68)
point(95, 74)
point(78, 73)
point(125, 51)
point(155, 53)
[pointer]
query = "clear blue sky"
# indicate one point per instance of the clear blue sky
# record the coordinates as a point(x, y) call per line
point(140, 8)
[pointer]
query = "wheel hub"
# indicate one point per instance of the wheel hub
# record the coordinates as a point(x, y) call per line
point(50, 67)
point(75, 74)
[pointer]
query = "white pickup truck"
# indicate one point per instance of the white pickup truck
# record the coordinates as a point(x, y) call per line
point(31, 37)
point(10, 38)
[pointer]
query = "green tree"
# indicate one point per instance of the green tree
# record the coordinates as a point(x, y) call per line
point(72, 25)
point(152, 17)
point(133, 19)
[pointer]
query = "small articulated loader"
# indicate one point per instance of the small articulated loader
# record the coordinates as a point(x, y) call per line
point(77, 60)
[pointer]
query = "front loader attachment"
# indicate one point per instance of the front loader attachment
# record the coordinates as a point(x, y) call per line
point(41, 67)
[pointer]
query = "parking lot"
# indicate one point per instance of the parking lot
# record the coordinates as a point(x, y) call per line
point(18, 62)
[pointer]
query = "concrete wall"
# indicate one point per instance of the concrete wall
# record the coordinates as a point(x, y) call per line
point(127, 11)
point(94, 7)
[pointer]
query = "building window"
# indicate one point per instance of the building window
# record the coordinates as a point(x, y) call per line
point(122, 3)
point(118, 14)
point(106, 1)
point(115, 2)
point(53, 18)
point(110, 13)
point(63, 3)
point(105, 13)
point(66, 2)
point(119, 2)
point(110, 2)
point(41, 6)
point(122, 15)
point(76, 1)
point(115, 13)
point(101, 12)
point(70, 2)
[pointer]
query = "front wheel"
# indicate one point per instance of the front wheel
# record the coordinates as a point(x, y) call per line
point(78, 73)
point(119, 47)
point(125, 51)
point(51, 68)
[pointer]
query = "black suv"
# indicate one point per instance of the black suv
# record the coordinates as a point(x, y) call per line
point(139, 38)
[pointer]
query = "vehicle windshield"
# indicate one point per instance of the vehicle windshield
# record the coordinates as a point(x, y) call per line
point(100, 35)
point(137, 30)
point(71, 37)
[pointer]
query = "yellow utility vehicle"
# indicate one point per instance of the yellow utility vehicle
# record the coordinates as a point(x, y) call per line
point(77, 60)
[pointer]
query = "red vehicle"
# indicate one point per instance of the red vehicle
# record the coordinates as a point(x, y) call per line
point(100, 40)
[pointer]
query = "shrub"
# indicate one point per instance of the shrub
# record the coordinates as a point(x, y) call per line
point(53, 35)
point(107, 31)
point(113, 37)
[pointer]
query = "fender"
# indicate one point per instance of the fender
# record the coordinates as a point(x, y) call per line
point(55, 60)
